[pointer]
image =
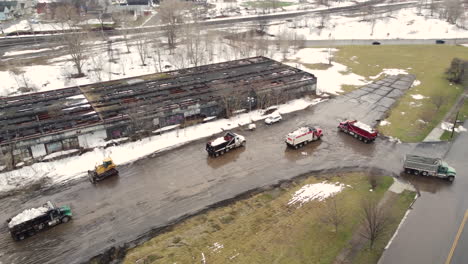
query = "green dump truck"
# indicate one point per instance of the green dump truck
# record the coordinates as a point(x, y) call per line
point(31, 221)
point(419, 165)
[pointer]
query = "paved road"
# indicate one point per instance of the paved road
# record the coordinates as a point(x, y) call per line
point(430, 229)
point(155, 191)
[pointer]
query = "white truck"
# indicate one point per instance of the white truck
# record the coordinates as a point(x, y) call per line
point(224, 144)
point(302, 136)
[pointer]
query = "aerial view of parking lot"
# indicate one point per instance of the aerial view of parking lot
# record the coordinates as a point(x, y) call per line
point(233, 131)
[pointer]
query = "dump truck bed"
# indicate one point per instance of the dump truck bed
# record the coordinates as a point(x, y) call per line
point(421, 163)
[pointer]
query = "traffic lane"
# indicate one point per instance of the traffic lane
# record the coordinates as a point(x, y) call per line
point(428, 233)
point(154, 191)
point(460, 244)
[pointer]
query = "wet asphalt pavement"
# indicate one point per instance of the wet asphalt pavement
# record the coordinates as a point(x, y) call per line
point(428, 233)
point(157, 190)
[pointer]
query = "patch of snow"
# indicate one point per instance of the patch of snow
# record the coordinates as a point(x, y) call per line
point(384, 123)
point(394, 139)
point(217, 246)
point(166, 128)
point(209, 118)
point(203, 258)
point(371, 190)
point(317, 191)
point(403, 113)
point(304, 153)
point(22, 52)
point(448, 126)
point(234, 256)
point(417, 96)
point(60, 153)
point(416, 83)
point(422, 121)
point(20, 164)
point(333, 77)
point(252, 126)
point(27, 215)
point(389, 72)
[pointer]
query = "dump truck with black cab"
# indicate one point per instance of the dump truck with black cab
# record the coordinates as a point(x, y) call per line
point(31, 221)
point(100, 172)
point(426, 166)
point(302, 136)
point(358, 130)
point(224, 144)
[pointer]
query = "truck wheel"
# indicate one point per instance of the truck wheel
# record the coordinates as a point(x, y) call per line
point(424, 173)
point(296, 146)
point(415, 172)
point(366, 140)
point(243, 143)
point(65, 219)
point(31, 232)
point(20, 237)
point(355, 135)
point(306, 142)
point(216, 154)
point(40, 226)
point(451, 178)
point(408, 171)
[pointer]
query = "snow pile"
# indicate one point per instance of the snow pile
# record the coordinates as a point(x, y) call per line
point(384, 123)
point(217, 246)
point(416, 83)
point(449, 126)
point(389, 72)
point(317, 191)
point(418, 96)
point(75, 167)
point(394, 139)
point(26, 215)
point(333, 77)
point(60, 153)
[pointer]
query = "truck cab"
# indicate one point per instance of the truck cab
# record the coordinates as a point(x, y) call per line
point(445, 170)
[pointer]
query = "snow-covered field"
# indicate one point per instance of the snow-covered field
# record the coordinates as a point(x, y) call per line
point(75, 167)
point(401, 24)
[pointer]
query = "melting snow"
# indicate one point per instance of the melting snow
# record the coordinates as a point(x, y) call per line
point(384, 123)
point(217, 246)
point(317, 191)
point(389, 72)
point(416, 83)
point(417, 96)
point(26, 215)
point(448, 126)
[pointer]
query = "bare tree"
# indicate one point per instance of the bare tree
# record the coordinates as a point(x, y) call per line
point(171, 13)
point(193, 42)
point(439, 100)
point(374, 220)
point(75, 45)
point(123, 19)
point(453, 10)
point(334, 214)
point(142, 45)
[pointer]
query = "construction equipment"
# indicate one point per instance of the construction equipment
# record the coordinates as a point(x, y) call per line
point(358, 130)
point(31, 221)
point(224, 144)
point(106, 169)
point(428, 166)
point(302, 136)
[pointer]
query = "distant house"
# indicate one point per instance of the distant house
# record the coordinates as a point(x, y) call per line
point(7, 9)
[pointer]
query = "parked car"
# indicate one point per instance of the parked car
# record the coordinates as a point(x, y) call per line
point(273, 119)
point(439, 41)
point(375, 43)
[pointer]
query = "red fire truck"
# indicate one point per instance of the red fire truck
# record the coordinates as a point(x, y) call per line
point(359, 130)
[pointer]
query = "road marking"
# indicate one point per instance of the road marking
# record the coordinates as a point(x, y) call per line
point(455, 242)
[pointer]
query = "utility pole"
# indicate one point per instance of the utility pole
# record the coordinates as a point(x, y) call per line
point(454, 123)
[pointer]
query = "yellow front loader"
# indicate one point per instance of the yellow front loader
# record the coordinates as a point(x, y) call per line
point(106, 169)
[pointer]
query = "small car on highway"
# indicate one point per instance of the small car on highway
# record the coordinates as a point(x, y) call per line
point(274, 118)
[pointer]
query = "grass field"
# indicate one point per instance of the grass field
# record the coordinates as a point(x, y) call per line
point(428, 63)
point(264, 229)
